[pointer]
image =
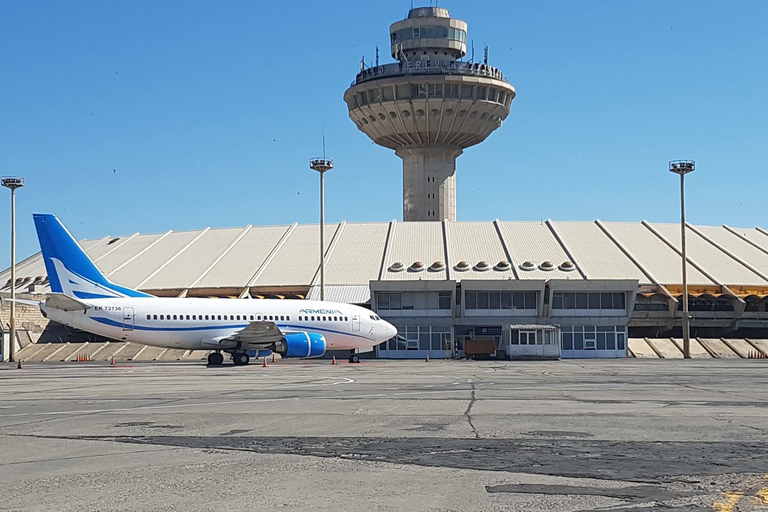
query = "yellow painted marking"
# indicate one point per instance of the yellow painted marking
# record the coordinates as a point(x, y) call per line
point(761, 497)
point(732, 498)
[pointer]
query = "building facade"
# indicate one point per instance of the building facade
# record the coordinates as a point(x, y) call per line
point(448, 284)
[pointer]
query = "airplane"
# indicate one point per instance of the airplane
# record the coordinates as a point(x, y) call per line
point(82, 297)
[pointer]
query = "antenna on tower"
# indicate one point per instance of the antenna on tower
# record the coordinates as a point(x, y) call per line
point(377, 55)
point(485, 55)
point(362, 63)
point(323, 128)
point(472, 58)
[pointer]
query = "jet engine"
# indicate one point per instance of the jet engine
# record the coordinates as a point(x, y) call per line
point(301, 344)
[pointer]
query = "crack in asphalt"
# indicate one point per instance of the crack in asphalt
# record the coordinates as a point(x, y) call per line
point(468, 412)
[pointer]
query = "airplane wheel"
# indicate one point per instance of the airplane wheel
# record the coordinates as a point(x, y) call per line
point(241, 359)
point(354, 358)
point(215, 359)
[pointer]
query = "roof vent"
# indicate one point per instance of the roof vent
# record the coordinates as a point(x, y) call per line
point(462, 266)
point(527, 265)
point(437, 266)
point(503, 265)
point(547, 266)
point(567, 266)
point(39, 279)
point(417, 266)
point(482, 266)
point(397, 267)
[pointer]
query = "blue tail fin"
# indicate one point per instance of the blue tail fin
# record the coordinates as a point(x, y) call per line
point(70, 270)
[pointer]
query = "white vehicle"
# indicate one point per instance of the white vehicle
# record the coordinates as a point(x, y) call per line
point(82, 297)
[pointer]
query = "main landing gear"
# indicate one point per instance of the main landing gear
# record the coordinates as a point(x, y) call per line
point(240, 358)
point(353, 358)
point(215, 359)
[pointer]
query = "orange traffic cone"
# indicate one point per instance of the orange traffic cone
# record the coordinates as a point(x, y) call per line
point(334, 360)
point(265, 363)
point(427, 360)
point(113, 361)
point(273, 357)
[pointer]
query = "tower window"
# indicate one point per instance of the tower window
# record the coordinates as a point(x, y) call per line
point(416, 33)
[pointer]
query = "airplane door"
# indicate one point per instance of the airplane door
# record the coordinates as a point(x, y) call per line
point(127, 319)
point(355, 323)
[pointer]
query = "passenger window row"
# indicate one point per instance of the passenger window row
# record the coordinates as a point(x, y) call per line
point(323, 319)
point(252, 318)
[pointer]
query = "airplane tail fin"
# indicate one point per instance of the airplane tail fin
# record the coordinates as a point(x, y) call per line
point(70, 270)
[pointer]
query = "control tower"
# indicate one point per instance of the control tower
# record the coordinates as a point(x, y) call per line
point(429, 107)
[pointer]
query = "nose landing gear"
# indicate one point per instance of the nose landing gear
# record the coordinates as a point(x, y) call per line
point(353, 357)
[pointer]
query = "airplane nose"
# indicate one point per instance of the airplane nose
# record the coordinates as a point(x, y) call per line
point(391, 331)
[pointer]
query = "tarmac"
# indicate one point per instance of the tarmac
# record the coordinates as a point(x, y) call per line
point(609, 435)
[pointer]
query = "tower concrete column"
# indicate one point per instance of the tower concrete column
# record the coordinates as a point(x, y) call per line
point(429, 182)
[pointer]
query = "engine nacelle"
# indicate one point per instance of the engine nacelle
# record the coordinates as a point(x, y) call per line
point(301, 344)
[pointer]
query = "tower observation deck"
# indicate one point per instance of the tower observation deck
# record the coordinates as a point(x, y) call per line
point(429, 106)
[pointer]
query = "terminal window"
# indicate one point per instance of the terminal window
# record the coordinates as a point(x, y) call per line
point(500, 300)
point(592, 300)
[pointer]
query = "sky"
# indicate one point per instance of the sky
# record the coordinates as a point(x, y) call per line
point(144, 116)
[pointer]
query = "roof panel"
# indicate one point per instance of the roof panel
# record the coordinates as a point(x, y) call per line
point(715, 262)
point(238, 266)
point(145, 264)
point(474, 242)
point(350, 294)
point(534, 242)
point(126, 251)
point(415, 241)
point(104, 245)
point(754, 236)
point(356, 259)
point(595, 253)
point(297, 261)
point(661, 261)
point(184, 270)
point(736, 246)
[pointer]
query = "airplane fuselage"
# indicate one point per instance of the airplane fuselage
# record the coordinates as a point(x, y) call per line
point(205, 324)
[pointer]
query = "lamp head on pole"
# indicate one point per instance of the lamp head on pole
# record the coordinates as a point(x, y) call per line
point(321, 164)
point(12, 182)
point(682, 167)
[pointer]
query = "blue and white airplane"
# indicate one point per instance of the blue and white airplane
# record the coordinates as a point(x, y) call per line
point(82, 297)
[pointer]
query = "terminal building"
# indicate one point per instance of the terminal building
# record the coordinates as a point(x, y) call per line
point(531, 289)
point(446, 283)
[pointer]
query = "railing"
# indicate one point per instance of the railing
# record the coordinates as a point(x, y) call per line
point(436, 67)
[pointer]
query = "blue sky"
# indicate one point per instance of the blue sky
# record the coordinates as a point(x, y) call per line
point(144, 116)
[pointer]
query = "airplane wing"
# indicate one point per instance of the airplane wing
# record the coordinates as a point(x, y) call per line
point(256, 335)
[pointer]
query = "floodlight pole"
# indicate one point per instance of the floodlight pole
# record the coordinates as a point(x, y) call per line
point(683, 167)
point(13, 183)
point(322, 165)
